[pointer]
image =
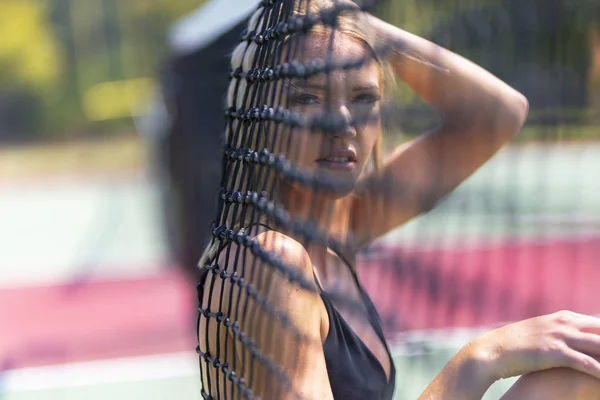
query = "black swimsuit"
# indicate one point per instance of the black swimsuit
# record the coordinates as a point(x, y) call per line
point(355, 373)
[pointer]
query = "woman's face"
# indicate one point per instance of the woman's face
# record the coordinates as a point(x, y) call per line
point(354, 95)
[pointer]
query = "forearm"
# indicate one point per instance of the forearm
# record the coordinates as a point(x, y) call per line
point(461, 91)
point(466, 377)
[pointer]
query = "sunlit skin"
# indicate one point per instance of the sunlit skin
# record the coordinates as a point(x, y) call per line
point(355, 95)
point(479, 115)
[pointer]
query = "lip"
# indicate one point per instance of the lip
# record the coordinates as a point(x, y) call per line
point(337, 166)
point(350, 154)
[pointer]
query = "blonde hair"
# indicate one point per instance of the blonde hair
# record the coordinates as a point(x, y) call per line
point(242, 90)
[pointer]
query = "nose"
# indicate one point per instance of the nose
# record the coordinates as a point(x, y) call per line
point(344, 125)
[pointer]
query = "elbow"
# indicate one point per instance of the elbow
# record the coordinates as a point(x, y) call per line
point(521, 108)
point(515, 115)
point(505, 118)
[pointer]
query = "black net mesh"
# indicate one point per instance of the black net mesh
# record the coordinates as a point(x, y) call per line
point(237, 308)
point(419, 279)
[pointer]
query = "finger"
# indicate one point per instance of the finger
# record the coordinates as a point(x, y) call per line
point(584, 342)
point(592, 324)
point(583, 363)
point(582, 322)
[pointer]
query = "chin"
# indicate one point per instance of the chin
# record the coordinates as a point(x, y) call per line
point(336, 184)
point(332, 183)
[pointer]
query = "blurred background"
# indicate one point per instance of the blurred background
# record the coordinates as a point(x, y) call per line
point(110, 122)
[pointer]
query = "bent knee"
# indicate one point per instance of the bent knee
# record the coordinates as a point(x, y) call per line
point(555, 384)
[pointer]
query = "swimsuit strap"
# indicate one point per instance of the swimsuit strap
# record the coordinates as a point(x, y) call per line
point(260, 224)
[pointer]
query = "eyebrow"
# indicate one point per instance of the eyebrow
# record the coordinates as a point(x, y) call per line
point(367, 86)
point(301, 85)
point(306, 85)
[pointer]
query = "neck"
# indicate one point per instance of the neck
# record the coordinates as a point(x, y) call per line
point(329, 214)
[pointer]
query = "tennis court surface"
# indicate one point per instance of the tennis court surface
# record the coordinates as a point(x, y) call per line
point(115, 320)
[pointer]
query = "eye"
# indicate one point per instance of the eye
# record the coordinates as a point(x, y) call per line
point(367, 98)
point(305, 99)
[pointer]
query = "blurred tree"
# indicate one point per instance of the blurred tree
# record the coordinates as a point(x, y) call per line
point(29, 67)
point(53, 52)
point(29, 51)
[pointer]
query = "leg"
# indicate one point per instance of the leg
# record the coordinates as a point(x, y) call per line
point(555, 384)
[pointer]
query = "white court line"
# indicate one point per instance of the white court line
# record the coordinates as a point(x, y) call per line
point(185, 364)
point(156, 367)
point(172, 365)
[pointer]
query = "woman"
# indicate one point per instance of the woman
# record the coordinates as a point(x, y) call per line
point(306, 342)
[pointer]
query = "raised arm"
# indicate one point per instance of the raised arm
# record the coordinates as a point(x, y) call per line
point(479, 112)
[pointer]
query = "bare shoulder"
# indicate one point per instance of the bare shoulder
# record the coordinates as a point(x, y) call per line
point(275, 267)
point(288, 249)
point(276, 277)
point(281, 253)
